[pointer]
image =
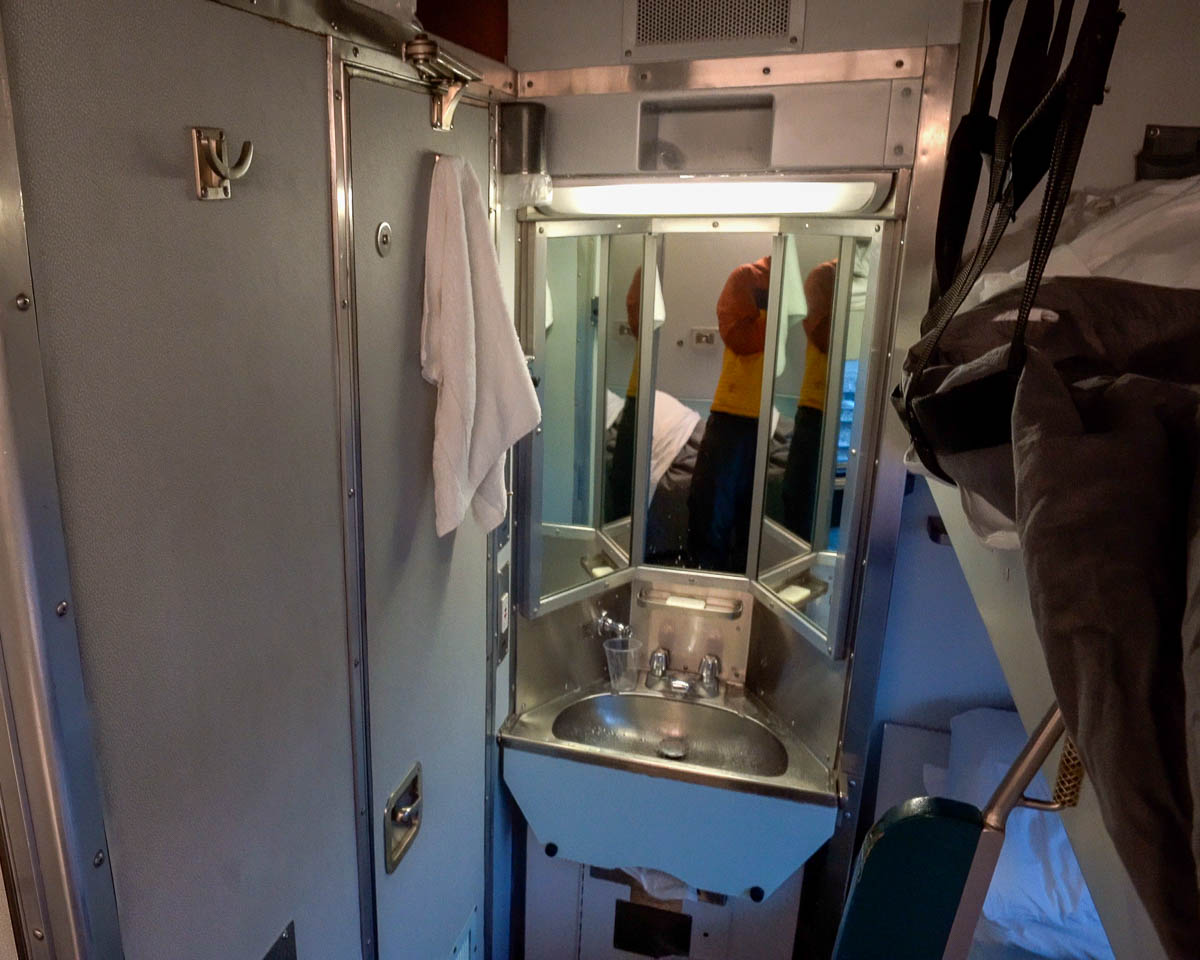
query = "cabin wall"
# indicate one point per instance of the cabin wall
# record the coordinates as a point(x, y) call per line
point(1152, 80)
point(189, 355)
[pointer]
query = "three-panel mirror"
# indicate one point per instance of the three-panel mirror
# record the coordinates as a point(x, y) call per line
point(702, 407)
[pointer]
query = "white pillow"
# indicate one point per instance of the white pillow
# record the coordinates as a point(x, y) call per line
point(1038, 899)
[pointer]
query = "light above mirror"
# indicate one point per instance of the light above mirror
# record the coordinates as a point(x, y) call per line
point(721, 196)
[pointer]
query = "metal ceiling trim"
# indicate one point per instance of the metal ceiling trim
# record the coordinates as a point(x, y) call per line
point(724, 73)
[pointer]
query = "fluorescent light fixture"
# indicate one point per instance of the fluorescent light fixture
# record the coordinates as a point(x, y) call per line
point(720, 196)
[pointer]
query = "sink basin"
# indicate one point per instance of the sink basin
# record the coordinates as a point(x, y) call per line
point(674, 730)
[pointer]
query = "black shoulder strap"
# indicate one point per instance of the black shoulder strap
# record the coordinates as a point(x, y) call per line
point(1047, 141)
point(1037, 56)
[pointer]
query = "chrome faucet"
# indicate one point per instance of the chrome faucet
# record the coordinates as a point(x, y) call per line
point(608, 628)
point(659, 660)
point(710, 669)
point(704, 684)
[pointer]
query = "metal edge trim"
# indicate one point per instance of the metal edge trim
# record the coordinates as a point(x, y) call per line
point(584, 591)
point(354, 562)
point(766, 401)
point(55, 844)
point(725, 73)
point(651, 244)
point(884, 491)
point(377, 33)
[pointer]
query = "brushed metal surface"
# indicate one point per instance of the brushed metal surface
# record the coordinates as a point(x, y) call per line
point(620, 736)
point(674, 730)
point(721, 73)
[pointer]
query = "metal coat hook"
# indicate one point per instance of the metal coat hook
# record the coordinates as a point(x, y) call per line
point(210, 156)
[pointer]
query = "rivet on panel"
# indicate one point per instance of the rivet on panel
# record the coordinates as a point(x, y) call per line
point(337, 94)
point(898, 149)
point(793, 40)
point(629, 53)
point(766, 71)
point(345, 304)
point(23, 301)
point(350, 493)
point(528, 84)
point(38, 935)
point(906, 92)
point(899, 64)
point(62, 608)
point(98, 859)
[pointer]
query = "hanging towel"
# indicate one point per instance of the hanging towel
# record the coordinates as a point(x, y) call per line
point(469, 350)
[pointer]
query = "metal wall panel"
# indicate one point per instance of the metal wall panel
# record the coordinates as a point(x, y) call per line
point(551, 34)
point(426, 596)
point(815, 125)
point(188, 350)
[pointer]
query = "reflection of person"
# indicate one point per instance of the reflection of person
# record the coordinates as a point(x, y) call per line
point(619, 495)
point(804, 454)
point(723, 482)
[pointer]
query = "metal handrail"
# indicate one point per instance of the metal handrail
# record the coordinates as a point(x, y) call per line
point(1011, 791)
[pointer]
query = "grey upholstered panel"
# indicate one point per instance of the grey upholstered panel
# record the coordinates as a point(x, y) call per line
point(426, 596)
point(189, 360)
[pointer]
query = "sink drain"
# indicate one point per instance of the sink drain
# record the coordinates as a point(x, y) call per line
point(672, 748)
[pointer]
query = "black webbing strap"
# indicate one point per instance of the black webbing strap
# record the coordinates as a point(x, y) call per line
point(1046, 141)
point(972, 140)
point(1037, 56)
point(1079, 89)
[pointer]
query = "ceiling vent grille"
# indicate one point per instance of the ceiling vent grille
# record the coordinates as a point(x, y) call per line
point(663, 22)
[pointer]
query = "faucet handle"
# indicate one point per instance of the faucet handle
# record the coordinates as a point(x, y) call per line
point(710, 668)
point(658, 662)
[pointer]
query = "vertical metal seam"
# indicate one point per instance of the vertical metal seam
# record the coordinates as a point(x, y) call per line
point(766, 402)
point(885, 493)
point(66, 895)
point(345, 367)
point(645, 405)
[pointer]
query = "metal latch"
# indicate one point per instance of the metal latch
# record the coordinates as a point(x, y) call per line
point(448, 76)
point(402, 818)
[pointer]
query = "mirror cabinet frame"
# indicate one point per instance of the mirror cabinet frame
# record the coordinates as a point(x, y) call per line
point(881, 231)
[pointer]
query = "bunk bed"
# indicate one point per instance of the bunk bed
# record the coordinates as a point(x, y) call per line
point(1139, 244)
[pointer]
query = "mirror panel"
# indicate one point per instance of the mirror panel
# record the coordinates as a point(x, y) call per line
point(820, 342)
point(710, 325)
point(582, 468)
point(621, 372)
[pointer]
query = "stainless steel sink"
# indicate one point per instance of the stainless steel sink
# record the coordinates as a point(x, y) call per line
point(675, 730)
point(728, 741)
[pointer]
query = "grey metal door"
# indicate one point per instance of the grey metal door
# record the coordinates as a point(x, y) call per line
point(425, 596)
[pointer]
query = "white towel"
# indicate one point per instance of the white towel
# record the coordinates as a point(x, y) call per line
point(469, 349)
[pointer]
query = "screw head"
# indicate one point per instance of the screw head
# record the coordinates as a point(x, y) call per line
point(766, 71)
point(98, 859)
point(62, 608)
point(38, 935)
point(337, 94)
point(23, 301)
point(899, 64)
